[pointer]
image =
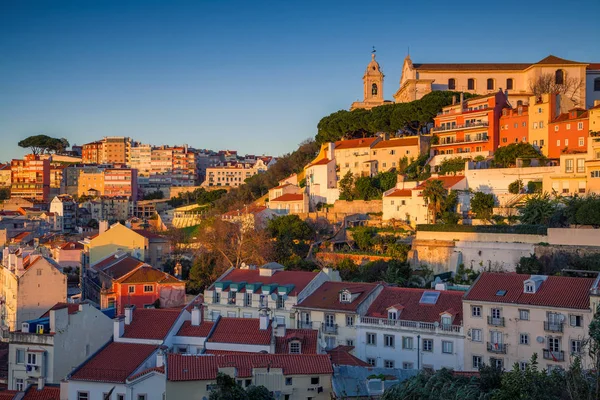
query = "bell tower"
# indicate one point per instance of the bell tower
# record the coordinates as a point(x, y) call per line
point(373, 82)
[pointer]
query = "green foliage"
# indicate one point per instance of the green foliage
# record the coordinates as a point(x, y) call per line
point(407, 117)
point(588, 211)
point(366, 188)
point(347, 186)
point(482, 204)
point(464, 275)
point(455, 164)
point(40, 144)
point(156, 195)
point(530, 265)
point(302, 183)
point(514, 229)
point(364, 237)
point(538, 210)
point(532, 383)
point(93, 224)
point(259, 393)
point(417, 170)
point(290, 233)
point(4, 193)
point(199, 196)
point(506, 156)
point(387, 180)
point(479, 158)
point(228, 389)
point(290, 226)
point(534, 187)
point(515, 187)
point(435, 196)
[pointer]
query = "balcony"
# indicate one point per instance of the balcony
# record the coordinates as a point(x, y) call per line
point(554, 355)
point(34, 370)
point(495, 321)
point(332, 329)
point(305, 325)
point(468, 139)
point(472, 125)
point(496, 348)
point(411, 325)
point(553, 326)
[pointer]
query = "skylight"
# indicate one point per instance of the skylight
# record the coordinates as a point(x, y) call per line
point(429, 297)
point(501, 293)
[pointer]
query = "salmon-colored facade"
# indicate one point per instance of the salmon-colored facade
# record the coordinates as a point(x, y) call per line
point(513, 125)
point(469, 126)
point(569, 131)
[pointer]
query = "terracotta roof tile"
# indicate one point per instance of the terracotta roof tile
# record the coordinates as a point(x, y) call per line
point(47, 393)
point(145, 372)
point(147, 274)
point(114, 363)
point(202, 330)
point(400, 193)
point(242, 331)
point(414, 310)
point(553, 60)
point(148, 234)
point(472, 66)
point(308, 339)
point(73, 308)
point(297, 278)
point(555, 291)
point(448, 181)
point(8, 394)
point(323, 161)
point(188, 368)
point(290, 197)
point(341, 356)
point(593, 66)
point(151, 323)
point(405, 141)
point(71, 246)
point(354, 143)
point(117, 267)
point(327, 296)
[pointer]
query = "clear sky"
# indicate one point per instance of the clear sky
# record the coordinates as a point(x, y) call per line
point(255, 76)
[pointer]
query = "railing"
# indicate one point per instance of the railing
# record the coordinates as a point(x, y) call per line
point(483, 138)
point(495, 321)
point(553, 326)
point(497, 348)
point(305, 325)
point(554, 355)
point(329, 328)
point(461, 126)
point(398, 323)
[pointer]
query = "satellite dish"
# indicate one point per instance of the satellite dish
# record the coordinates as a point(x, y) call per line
point(285, 296)
point(274, 296)
point(540, 339)
point(561, 317)
point(436, 324)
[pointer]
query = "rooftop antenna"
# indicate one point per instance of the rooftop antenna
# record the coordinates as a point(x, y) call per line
point(374, 51)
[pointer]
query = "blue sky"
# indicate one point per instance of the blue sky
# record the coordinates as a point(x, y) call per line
point(255, 76)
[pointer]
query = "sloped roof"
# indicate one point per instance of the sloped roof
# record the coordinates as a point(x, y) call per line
point(114, 363)
point(555, 291)
point(117, 267)
point(593, 66)
point(448, 181)
point(400, 193)
point(8, 394)
point(202, 330)
point(47, 393)
point(553, 60)
point(398, 142)
point(323, 161)
point(550, 60)
point(73, 308)
point(71, 246)
point(341, 356)
point(151, 323)
point(190, 368)
point(327, 296)
point(241, 331)
point(354, 143)
point(148, 274)
point(147, 371)
point(307, 337)
point(148, 235)
point(290, 197)
point(413, 310)
point(297, 278)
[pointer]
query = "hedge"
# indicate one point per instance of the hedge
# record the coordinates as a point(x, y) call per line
point(514, 229)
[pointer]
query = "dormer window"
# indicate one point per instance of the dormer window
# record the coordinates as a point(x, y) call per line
point(529, 288)
point(345, 297)
point(446, 320)
point(393, 314)
point(295, 347)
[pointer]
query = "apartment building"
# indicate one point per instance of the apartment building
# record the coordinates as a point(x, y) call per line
point(91, 153)
point(388, 152)
point(321, 177)
point(354, 155)
point(571, 177)
point(568, 132)
point(514, 125)
point(30, 178)
point(66, 208)
point(120, 182)
point(233, 173)
point(543, 110)
point(5, 175)
point(412, 329)
point(334, 309)
point(115, 150)
point(469, 126)
point(592, 164)
point(104, 208)
point(509, 317)
point(140, 158)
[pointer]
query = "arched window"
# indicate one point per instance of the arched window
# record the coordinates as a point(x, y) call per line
point(451, 84)
point(471, 84)
point(559, 77)
point(374, 89)
point(509, 84)
point(597, 85)
point(490, 84)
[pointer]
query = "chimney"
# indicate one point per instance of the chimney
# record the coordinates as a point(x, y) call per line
point(453, 99)
point(278, 330)
point(462, 97)
point(160, 358)
point(41, 382)
point(118, 327)
point(196, 319)
point(596, 103)
point(129, 314)
point(264, 321)
point(102, 227)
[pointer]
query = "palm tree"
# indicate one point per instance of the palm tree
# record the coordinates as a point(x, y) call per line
point(434, 194)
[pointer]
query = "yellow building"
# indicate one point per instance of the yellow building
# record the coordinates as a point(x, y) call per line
point(90, 178)
point(571, 179)
point(388, 153)
point(372, 86)
point(5, 175)
point(354, 155)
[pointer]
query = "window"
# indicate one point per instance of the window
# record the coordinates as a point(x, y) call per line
point(490, 84)
point(371, 361)
point(31, 358)
point(148, 288)
point(568, 127)
point(569, 165)
point(39, 271)
point(428, 345)
point(248, 382)
point(580, 165)
point(535, 125)
point(141, 397)
point(522, 365)
point(597, 85)
point(19, 384)
point(288, 381)
point(20, 356)
point(374, 89)
point(349, 320)
point(388, 340)
point(314, 380)
point(497, 362)
point(349, 342)
point(120, 396)
point(594, 174)
point(83, 396)
point(446, 320)
point(295, 348)
point(345, 296)
point(476, 311)
point(131, 289)
point(407, 342)
point(576, 320)
point(447, 347)
point(388, 363)
point(524, 315)
point(408, 365)
point(509, 84)
point(471, 84)
point(477, 362)
point(451, 84)
point(558, 143)
point(371, 338)
point(496, 313)
point(392, 315)
point(247, 315)
point(553, 344)
point(280, 301)
point(524, 338)
point(559, 77)
point(247, 299)
point(575, 346)
point(581, 142)
point(541, 124)
point(476, 335)
point(216, 297)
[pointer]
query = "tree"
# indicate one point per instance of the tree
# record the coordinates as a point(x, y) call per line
point(537, 210)
point(227, 389)
point(363, 237)
point(291, 226)
point(366, 188)
point(506, 156)
point(534, 187)
point(259, 393)
point(482, 204)
point(452, 165)
point(530, 265)
point(435, 195)
point(531, 383)
point(387, 180)
point(4, 193)
point(515, 187)
point(548, 83)
point(347, 186)
point(589, 212)
point(156, 195)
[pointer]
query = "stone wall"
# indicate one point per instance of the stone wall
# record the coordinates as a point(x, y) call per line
point(334, 258)
point(583, 236)
point(357, 207)
point(482, 237)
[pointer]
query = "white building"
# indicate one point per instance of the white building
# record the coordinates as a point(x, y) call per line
point(66, 208)
point(412, 329)
point(46, 349)
point(242, 293)
point(321, 178)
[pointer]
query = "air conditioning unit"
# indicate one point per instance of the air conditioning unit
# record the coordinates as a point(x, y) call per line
point(312, 389)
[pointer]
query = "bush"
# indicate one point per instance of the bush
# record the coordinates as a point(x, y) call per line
point(452, 165)
point(534, 187)
point(530, 265)
point(510, 229)
point(482, 205)
point(515, 187)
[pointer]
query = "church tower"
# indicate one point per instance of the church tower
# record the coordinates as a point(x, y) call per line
point(373, 86)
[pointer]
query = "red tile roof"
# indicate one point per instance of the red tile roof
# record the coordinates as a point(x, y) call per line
point(240, 330)
point(202, 330)
point(114, 363)
point(550, 60)
point(341, 356)
point(400, 193)
point(8, 394)
point(323, 161)
point(308, 339)
point(148, 234)
point(413, 310)
point(71, 246)
point(355, 143)
point(297, 278)
point(117, 267)
point(397, 142)
point(151, 323)
point(47, 393)
point(146, 371)
point(73, 308)
point(21, 236)
point(555, 291)
point(188, 368)
point(448, 181)
point(147, 274)
point(327, 296)
point(290, 197)
point(594, 66)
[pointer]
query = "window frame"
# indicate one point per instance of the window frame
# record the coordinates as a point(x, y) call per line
point(372, 335)
point(524, 339)
point(389, 341)
point(148, 286)
point(446, 343)
point(430, 350)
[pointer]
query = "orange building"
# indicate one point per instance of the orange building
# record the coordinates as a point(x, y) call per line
point(120, 182)
point(30, 178)
point(513, 125)
point(469, 126)
point(569, 131)
point(91, 153)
